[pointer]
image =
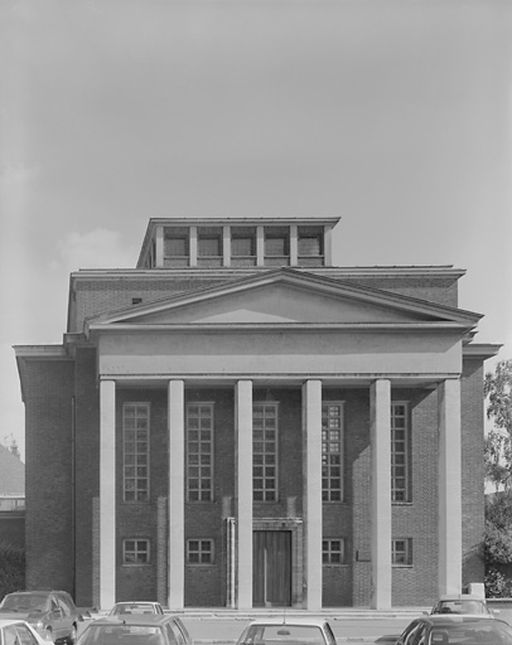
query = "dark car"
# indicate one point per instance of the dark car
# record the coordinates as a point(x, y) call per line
point(136, 629)
point(462, 604)
point(53, 614)
point(456, 629)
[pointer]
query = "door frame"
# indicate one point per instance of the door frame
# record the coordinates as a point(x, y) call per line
point(295, 526)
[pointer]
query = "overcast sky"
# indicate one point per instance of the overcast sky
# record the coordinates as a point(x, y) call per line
point(394, 115)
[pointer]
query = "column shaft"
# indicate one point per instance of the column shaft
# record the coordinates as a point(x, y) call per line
point(176, 429)
point(312, 433)
point(107, 494)
point(243, 429)
point(450, 491)
point(380, 437)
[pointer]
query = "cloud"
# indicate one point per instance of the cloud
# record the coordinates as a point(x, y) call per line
point(99, 248)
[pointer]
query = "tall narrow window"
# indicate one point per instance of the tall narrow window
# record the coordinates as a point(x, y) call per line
point(265, 452)
point(136, 452)
point(400, 452)
point(199, 429)
point(332, 451)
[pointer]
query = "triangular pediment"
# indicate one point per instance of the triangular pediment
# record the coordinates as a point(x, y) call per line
point(287, 297)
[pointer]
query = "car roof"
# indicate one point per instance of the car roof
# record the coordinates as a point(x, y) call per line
point(11, 621)
point(455, 597)
point(299, 620)
point(447, 619)
point(136, 602)
point(135, 619)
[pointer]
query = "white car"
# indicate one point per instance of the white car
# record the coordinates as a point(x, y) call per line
point(289, 631)
point(19, 632)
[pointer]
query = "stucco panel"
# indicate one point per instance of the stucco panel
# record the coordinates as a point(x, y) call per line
point(278, 353)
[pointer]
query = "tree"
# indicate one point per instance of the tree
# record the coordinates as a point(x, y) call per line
point(498, 445)
point(497, 543)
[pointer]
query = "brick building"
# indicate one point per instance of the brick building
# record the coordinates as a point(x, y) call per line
point(237, 422)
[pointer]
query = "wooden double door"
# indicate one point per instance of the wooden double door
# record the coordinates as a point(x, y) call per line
point(272, 571)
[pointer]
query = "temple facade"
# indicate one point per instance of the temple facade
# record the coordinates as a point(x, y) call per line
point(237, 422)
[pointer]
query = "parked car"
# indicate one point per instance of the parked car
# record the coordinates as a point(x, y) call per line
point(306, 631)
point(52, 614)
point(456, 629)
point(136, 607)
point(136, 629)
point(462, 604)
point(19, 632)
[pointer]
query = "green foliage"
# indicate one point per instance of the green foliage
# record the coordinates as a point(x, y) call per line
point(12, 568)
point(498, 444)
point(497, 584)
point(498, 390)
point(497, 545)
point(498, 510)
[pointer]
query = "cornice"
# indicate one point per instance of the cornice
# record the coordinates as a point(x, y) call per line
point(381, 271)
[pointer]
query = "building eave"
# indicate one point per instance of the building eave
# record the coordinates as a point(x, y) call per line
point(481, 351)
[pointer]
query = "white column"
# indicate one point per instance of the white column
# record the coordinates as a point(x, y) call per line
point(193, 246)
point(294, 248)
point(312, 434)
point(260, 246)
point(243, 430)
point(107, 568)
point(380, 438)
point(176, 429)
point(226, 246)
point(159, 247)
point(328, 245)
point(450, 491)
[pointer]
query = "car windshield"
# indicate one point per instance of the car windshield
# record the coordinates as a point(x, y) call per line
point(461, 607)
point(478, 633)
point(25, 602)
point(280, 634)
point(122, 635)
point(135, 608)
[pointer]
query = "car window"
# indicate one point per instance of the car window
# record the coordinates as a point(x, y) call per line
point(25, 635)
point(179, 637)
point(64, 607)
point(123, 634)
point(409, 632)
point(10, 635)
point(329, 633)
point(171, 636)
point(285, 633)
point(420, 635)
point(477, 632)
point(25, 602)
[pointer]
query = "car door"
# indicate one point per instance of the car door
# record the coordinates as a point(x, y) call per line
point(68, 617)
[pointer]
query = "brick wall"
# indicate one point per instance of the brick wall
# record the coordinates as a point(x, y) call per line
point(48, 389)
point(473, 515)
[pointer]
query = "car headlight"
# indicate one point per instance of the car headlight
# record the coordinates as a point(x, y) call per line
point(39, 625)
